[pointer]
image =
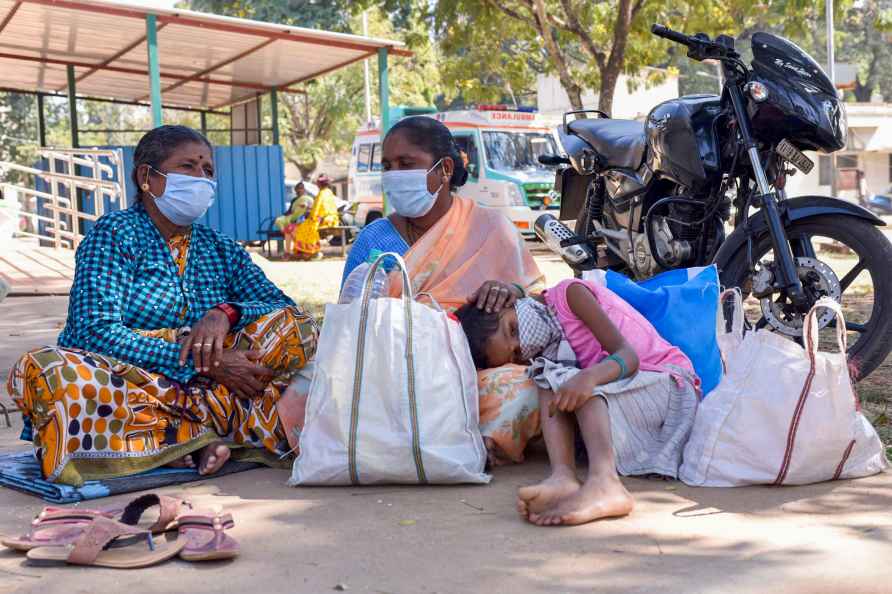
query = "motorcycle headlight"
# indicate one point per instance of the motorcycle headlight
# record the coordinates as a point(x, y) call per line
point(514, 195)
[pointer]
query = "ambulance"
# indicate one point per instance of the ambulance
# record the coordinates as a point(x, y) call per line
point(501, 149)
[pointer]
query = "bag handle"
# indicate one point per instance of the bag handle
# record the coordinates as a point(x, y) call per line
point(378, 263)
point(407, 299)
point(433, 300)
point(810, 326)
point(737, 315)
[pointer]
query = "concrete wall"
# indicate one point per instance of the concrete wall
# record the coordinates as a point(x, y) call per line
point(874, 164)
point(627, 104)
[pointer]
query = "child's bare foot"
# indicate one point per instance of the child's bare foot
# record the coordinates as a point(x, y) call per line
point(602, 497)
point(213, 457)
point(535, 499)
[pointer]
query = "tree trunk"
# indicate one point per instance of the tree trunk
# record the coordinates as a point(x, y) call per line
point(609, 78)
point(863, 92)
point(546, 32)
point(611, 71)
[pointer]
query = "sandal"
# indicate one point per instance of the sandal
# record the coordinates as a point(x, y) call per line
point(169, 508)
point(204, 537)
point(60, 526)
point(108, 543)
point(57, 526)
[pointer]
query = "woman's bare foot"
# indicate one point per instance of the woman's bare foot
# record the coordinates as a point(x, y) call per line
point(187, 461)
point(495, 456)
point(535, 499)
point(213, 457)
point(601, 497)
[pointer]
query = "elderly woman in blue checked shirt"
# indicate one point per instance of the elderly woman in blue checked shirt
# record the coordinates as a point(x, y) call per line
point(176, 343)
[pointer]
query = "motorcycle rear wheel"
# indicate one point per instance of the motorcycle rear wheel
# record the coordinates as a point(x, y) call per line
point(861, 257)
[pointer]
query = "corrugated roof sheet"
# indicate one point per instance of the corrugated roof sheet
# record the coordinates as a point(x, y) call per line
point(207, 61)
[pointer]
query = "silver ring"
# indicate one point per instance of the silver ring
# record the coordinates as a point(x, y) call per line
point(197, 345)
point(206, 346)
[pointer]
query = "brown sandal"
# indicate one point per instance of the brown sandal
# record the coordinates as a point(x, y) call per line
point(108, 543)
point(204, 537)
point(57, 526)
point(61, 526)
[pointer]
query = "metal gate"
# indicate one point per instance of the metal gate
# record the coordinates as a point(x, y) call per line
point(60, 198)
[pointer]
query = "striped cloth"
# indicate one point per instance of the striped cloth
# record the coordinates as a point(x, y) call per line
point(651, 415)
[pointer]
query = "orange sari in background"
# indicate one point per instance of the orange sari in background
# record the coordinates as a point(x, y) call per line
point(470, 245)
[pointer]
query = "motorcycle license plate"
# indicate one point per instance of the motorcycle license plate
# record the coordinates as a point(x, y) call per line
point(792, 154)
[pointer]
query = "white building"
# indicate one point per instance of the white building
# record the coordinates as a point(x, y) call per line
point(627, 103)
point(869, 151)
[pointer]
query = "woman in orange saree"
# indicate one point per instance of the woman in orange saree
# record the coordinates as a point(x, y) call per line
point(456, 251)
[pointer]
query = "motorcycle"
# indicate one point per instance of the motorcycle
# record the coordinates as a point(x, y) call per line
point(657, 195)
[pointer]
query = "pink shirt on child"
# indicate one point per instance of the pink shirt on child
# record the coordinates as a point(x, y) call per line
point(654, 353)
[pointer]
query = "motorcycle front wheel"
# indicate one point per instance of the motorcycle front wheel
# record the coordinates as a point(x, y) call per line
point(845, 258)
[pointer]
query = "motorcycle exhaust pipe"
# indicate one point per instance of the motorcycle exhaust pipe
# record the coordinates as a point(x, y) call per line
point(561, 240)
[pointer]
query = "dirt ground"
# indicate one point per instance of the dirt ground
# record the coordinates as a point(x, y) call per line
point(828, 538)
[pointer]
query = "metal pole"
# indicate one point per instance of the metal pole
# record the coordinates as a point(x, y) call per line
point(383, 91)
point(204, 123)
point(259, 119)
point(154, 69)
point(384, 105)
point(72, 108)
point(274, 107)
point(831, 70)
point(365, 66)
point(41, 121)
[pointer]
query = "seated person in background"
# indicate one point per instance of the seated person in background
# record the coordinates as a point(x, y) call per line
point(323, 214)
point(287, 223)
point(176, 343)
point(596, 351)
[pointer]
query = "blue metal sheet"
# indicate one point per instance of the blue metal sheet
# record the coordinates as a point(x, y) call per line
point(250, 188)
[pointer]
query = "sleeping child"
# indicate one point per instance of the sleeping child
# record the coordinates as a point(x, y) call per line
point(591, 350)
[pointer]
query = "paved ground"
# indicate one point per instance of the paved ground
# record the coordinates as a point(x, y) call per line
point(828, 538)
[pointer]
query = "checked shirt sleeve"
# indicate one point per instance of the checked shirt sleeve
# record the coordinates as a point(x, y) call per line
point(95, 321)
point(250, 291)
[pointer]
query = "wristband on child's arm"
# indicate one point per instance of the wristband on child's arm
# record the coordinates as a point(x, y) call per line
point(623, 370)
point(523, 293)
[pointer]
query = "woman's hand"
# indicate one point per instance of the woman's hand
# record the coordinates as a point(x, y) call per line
point(206, 341)
point(241, 374)
point(494, 296)
point(575, 392)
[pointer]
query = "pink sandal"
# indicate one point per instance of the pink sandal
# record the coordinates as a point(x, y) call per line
point(56, 526)
point(61, 526)
point(108, 543)
point(204, 537)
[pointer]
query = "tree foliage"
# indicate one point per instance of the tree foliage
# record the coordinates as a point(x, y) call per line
point(497, 47)
point(867, 42)
point(324, 120)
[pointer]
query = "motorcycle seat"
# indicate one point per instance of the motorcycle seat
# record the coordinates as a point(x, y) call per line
point(620, 142)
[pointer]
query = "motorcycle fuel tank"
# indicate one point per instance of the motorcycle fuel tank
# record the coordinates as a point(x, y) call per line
point(681, 141)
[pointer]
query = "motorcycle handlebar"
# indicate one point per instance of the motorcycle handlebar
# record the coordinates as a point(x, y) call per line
point(667, 33)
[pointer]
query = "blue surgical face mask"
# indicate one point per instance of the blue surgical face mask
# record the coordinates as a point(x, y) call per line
point(406, 191)
point(185, 198)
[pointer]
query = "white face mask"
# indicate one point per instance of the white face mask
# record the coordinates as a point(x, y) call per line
point(406, 191)
point(185, 198)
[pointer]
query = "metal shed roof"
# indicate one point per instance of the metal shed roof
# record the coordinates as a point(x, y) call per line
point(206, 61)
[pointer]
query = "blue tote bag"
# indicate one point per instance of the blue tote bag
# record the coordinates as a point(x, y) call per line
point(682, 305)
